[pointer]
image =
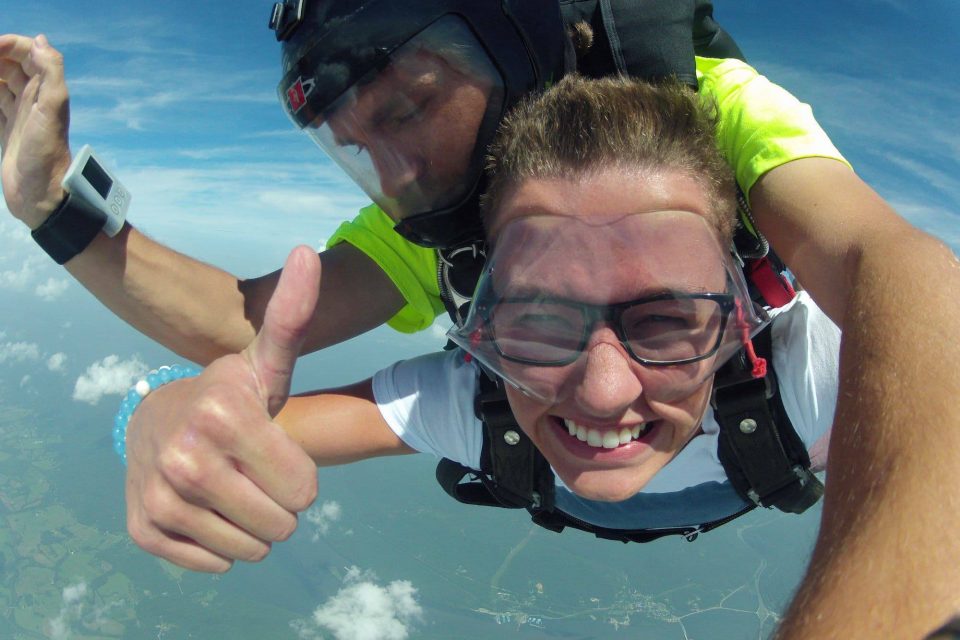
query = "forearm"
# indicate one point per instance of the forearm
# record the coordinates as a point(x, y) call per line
point(203, 313)
point(339, 426)
point(189, 307)
point(886, 564)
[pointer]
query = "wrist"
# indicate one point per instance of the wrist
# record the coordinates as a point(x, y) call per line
point(153, 381)
point(95, 201)
point(43, 209)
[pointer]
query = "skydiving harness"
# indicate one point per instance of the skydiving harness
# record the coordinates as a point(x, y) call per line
point(764, 459)
point(762, 455)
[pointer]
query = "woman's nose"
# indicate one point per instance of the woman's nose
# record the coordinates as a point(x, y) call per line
point(608, 385)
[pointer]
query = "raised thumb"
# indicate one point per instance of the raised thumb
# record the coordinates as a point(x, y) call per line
point(273, 352)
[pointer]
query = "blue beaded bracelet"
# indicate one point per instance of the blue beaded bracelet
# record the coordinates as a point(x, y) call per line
point(154, 380)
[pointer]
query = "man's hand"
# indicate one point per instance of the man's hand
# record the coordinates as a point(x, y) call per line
point(34, 119)
point(211, 478)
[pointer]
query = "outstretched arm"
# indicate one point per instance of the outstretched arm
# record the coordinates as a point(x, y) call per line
point(885, 564)
point(195, 309)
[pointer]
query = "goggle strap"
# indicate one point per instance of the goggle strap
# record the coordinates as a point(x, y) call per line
point(758, 364)
point(475, 339)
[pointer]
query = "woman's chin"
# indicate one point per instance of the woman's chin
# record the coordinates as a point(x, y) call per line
point(608, 485)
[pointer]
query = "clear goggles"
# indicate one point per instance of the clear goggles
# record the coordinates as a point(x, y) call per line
point(660, 285)
point(413, 131)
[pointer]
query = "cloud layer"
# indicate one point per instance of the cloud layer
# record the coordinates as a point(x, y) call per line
point(364, 610)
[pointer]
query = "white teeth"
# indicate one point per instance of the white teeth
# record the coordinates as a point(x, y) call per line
point(604, 439)
point(594, 439)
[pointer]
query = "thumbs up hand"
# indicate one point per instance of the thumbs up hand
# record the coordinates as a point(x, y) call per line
point(210, 478)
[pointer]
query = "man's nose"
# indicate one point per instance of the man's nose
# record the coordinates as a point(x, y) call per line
point(608, 385)
point(396, 170)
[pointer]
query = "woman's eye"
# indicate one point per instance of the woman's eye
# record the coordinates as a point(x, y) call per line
point(543, 321)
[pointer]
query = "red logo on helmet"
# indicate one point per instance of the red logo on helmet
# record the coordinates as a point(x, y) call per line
point(297, 95)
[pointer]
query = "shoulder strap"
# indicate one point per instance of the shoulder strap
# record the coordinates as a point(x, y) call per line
point(709, 38)
point(765, 459)
point(650, 39)
point(513, 473)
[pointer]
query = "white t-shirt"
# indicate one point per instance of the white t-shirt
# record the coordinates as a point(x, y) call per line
point(428, 402)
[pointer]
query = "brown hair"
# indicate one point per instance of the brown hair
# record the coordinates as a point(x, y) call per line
point(582, 125)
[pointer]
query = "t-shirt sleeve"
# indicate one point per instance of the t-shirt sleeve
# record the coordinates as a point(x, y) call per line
point(806, 355)
point(428, 402)
point(762, 126)
point(412, 268)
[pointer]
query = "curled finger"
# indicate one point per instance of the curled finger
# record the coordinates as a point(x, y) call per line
point(220, 487)
point(158, 517)
point(13, 76)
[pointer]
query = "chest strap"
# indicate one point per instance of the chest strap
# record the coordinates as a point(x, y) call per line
point(764, 458)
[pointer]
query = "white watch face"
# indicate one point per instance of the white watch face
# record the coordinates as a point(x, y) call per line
point(89, 180)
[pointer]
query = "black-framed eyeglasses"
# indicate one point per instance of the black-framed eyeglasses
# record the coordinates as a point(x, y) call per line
point(659, 330)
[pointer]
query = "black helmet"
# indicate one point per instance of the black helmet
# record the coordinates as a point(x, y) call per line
point(419, 143)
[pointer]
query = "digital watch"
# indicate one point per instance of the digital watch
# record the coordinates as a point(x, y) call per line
point(95, 201)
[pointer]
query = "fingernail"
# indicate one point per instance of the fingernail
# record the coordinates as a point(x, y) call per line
point(41, 41)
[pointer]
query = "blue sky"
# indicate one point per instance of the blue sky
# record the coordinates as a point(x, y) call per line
point(179, 98)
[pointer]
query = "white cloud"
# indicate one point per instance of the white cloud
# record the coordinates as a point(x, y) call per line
point(80, 614)
point(19, 278)
point(323, 516)
point(52, 289)
point(24, 381)
point(71, 610)
point(13, 230)
point(363, 610)
point(109, 376)
point(57, 361)
point(19, 351)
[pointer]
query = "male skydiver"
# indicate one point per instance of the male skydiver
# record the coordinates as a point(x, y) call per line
point(886, 269)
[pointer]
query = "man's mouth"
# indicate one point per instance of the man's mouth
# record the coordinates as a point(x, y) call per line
point(606, 438)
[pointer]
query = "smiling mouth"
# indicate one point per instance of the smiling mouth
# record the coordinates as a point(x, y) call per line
point(605, 438)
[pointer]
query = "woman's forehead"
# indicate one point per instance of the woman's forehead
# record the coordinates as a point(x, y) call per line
point(606, 259)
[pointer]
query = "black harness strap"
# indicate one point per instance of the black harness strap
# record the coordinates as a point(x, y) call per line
point(650, 39)
point(513, 473)
point(709, 38)
point(761, 453)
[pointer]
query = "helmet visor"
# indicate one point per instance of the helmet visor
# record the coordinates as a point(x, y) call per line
point(411, 131)
point(661, 284)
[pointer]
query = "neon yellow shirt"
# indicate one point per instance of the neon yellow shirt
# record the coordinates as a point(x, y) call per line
point(761, 127)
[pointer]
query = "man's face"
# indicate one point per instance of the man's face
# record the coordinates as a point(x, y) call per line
point(606, 394)
point(409, 135)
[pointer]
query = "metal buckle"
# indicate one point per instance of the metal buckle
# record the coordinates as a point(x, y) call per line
point(286, 17)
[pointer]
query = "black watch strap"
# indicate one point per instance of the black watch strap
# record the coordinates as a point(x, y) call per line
point(70, 229)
